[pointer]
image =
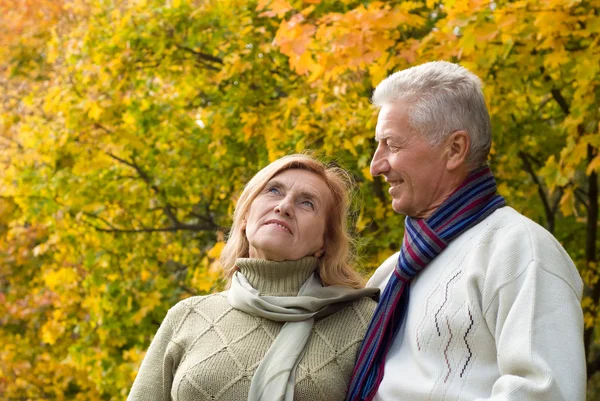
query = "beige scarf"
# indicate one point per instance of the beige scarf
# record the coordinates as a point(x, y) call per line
point(275, 376)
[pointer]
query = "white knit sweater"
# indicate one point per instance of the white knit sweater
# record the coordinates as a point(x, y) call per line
point(496, 316)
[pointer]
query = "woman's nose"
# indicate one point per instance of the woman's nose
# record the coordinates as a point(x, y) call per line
point(285, 208)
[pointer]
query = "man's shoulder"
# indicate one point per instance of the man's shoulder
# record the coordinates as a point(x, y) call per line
point(382, 274)
point(502, 222)
point(515, 243)
point(508, 225)
point(505, 233)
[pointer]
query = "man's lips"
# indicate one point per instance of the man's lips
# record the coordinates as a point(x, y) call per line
point(280, 224)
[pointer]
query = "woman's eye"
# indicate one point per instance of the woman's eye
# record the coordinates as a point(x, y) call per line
point(273, 190)
point(308, 203)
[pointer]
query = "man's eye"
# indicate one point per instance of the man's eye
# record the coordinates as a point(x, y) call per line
point(394, 149)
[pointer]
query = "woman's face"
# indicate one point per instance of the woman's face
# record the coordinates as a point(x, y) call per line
point(286, 221)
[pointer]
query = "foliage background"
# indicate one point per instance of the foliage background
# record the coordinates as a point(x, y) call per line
point(128, 128)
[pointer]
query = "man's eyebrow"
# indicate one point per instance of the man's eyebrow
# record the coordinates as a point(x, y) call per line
point(382, 137)
point(383, 133)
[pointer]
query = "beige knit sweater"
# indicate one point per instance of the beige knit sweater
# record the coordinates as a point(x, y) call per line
point(206, 350)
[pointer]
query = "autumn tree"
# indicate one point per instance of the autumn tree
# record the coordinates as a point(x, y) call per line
point(128, 128)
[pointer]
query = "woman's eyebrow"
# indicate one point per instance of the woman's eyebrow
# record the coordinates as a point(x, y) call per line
point(313, 196)
point(275, 182)
point(305, 193)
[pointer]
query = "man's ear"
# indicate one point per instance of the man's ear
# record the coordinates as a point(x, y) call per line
point(319, 253)
point(458, 145)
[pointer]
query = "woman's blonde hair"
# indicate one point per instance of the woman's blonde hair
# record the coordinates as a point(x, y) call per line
point(335, 267)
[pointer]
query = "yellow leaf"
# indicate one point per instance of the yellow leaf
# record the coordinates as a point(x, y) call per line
point(215, 251)
point(294, 36)
point(303, 64)
point(361, 222)
point(262, 4)
point(378, 70)
point(349, 146)
point(567, 202)
point(593, 166)
point(589, 320)
point(277, 8)
point(145, 105)
point(308, 10)
point(300, 145)
point(145, 275)
point(204, 278)
point(317, 70)
point(593, 24)
point(556, 59)
point(51, 331)
point(63, 276)
point(129, 119)
point(151, 301)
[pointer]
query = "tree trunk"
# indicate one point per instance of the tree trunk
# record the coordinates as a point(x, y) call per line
point(590, 252)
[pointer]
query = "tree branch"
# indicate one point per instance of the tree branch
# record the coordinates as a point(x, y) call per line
point(201, 56)
point(206, 65)
point(593, 367)
point(581, 195)
point(19, 145)
point(108, 223)
point(182, 227)
point(178, 227)
point(168, 209)
point(547, 209)
point(560, 100)
point(103, 128)
point(592, 291)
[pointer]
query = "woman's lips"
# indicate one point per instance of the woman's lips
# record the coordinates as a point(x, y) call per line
point(279, 224)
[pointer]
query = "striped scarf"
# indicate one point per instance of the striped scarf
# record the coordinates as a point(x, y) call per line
point(424, 239)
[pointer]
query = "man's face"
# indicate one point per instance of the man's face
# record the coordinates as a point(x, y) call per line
point(416, 171)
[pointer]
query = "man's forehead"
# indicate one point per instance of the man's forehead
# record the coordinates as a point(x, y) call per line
point(392, 118)
point(384, 129)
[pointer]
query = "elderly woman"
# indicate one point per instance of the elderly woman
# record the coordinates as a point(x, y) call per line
point(290, 325)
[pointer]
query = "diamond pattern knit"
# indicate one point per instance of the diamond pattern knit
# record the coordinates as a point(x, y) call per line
point(206, 350)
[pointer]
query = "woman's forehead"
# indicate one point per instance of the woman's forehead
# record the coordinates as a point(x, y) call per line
point(303, 181)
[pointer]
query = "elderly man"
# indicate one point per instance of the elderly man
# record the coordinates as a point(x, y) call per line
point(480, 303)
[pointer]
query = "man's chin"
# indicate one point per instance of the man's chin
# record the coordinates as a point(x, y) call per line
point(399, 207)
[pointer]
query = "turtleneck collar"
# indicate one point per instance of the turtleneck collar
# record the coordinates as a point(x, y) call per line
point(277, 278)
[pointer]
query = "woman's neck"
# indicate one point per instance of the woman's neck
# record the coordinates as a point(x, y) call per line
point(277, 278)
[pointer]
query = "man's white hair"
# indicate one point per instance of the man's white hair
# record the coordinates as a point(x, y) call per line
point(443, 98)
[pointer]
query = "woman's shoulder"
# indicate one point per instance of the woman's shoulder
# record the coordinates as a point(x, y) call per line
point(357, 313)
point(198, 304)
point(365, 306)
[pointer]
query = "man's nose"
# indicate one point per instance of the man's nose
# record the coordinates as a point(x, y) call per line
point(379, 163)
